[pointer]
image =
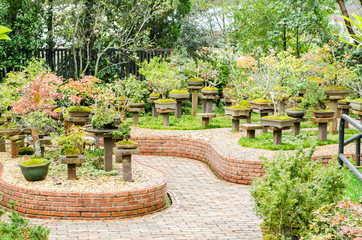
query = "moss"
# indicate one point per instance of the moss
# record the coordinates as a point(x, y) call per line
point(323, 110)
point(154, 95)
point(79, 109)
point(359, 100)
point(336, 88)
point(26, 151)
point(34, 162)
point(59, 109)
point(226, 89)
point(295, 109)
point(124, 142)
point(209, 89)
point(179, 91)
point(71, 151)
point(195, 80)
point(344, 100)
point(66, 115)
point(316, 79)
point(297, 99)
point(245, 103)
point(165, 101)
point(281, 117)
point(239, 107)
point(261, 100)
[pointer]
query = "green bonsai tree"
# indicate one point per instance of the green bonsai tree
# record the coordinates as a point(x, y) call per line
point(161, 75)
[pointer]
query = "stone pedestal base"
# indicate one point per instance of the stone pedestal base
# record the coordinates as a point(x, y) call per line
point(72, 165)
point(322, 127)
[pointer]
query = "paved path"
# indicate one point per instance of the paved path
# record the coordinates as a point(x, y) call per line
point(205, 208)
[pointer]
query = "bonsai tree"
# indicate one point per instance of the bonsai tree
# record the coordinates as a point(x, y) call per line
point(314, 97)
point(42, 123)
point(161, 75)
point(124, 133)
point(3, 33)
point(72, 142)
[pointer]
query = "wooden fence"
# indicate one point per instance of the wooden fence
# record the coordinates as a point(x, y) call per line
point(67, 64)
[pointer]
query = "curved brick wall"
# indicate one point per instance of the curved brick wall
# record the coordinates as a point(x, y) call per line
point(83, 206)
point(232, 170)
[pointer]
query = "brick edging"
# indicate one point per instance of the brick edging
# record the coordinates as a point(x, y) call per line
point(229, 169)
point(83, 206)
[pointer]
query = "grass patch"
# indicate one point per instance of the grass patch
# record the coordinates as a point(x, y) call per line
point(290, 142)
point(354, 186)
point(186, 122)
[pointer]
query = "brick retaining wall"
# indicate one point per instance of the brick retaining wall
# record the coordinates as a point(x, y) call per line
point(83, 206)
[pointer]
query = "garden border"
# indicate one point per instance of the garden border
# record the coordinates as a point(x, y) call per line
point(84, 206)
point(230, 169)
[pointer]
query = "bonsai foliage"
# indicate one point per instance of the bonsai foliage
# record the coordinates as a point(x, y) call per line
point(3, 33)
point(161, 76)
point(80, 91)
point(42, 123)
point(39, 95)
point(103, 119)
point(124, 132)
point(314, 96)
point(293, 187)
point(34, 162)
point(73, 139)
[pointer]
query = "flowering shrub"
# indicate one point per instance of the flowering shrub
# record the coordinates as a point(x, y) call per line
point(81, 90)
point(337, 221)
point(39, 95)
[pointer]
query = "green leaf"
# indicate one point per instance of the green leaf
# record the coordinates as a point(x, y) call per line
point(4, 37)
point(4, 29)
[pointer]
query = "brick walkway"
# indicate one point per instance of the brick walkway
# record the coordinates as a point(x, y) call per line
point(205, 208)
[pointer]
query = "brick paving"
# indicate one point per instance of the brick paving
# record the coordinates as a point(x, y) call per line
point(204, 208)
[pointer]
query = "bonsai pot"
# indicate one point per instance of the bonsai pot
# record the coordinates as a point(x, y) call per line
point(166, 105)
point(72, 155)
point(209, 92)
point(234, 112)
point(84, 114)
point(179, 95)
point(262, 106)
point(356, 105)
point(137, 105)
point(36, 172)
point(154, 97)
point(195, 83)
point(328, 114)
point(295, 113)
point(277, 123)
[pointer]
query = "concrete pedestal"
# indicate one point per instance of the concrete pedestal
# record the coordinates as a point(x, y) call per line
point(166, 115)
point(135, 112)
point(195, 98)
point(250, 129)
point(296, 126)
point(15, 142)
point(155, 114)
point(178, 110)
point(322, 127)
point(277, 134)
point(72, 165)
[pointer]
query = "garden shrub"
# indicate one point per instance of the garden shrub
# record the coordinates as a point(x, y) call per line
point(292, 188)
point(337, 221)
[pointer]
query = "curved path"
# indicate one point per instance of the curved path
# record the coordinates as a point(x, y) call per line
point(204, 208)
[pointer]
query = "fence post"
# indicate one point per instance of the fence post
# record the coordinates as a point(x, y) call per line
point(358, 152)
point(341, 139)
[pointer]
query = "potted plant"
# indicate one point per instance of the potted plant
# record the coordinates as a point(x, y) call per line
point(40, 121)
point(195, 82)
point(226, 92)
point(323, 113)
point(179, 94)
point(241, 109)
point(71, 144)
point(209, 91)
point(79, 111)
point(164, 104)
point(154, 96)
point(262, 104)
point(277, 121)
point(314, 98)
point(124, 135)
point(356, 104)
point(35, 169)
point(295, 112)
point(105, 119)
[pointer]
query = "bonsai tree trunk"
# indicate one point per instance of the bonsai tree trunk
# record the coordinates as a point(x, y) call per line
point(37, 149)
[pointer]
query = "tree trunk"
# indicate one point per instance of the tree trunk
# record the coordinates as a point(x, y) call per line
point(342, 5)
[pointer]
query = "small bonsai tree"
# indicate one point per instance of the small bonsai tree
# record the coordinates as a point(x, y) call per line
point(161, 75)
point(72, 142)
point(124, 133)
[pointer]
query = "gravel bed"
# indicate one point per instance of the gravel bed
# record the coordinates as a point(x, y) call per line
point(143, 177)
point(226, 142)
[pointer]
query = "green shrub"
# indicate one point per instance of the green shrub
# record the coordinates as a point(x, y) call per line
point(292, 188)
point(78, 109)
point(34, 162)
point(26, 151)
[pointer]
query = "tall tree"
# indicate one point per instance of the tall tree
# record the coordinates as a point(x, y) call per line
point(344, 11)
